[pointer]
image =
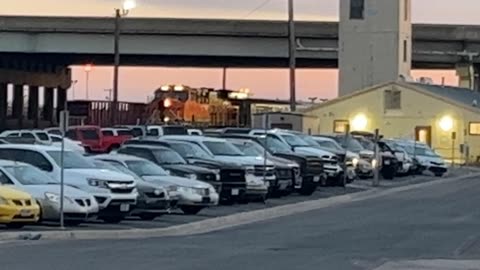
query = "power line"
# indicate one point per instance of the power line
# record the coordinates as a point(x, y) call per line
point(260, 6)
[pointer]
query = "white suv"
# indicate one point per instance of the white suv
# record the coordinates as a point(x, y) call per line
point(115, 193)
point(39, 136)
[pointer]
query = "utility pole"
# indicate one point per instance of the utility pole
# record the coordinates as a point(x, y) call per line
point(224, 79)
point(378, 160)
point(292, 47)
point(116, 50)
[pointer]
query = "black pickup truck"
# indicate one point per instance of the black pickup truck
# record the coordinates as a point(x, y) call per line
point(231, 184)
point(311, 172)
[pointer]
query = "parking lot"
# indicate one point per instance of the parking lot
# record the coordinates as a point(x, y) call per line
point(177, 218)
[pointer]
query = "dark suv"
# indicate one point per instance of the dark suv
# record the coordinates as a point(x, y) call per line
point(231, 184)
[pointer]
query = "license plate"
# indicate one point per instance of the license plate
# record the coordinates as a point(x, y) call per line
point(205, 199)
point(235, 192)
point(124, 207)
point(25, 213)
point(316, 178)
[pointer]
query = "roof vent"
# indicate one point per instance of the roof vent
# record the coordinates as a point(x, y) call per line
point(474, 103)
point(425, 80)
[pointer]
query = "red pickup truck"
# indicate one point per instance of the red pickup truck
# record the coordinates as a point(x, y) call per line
point(113, 138)
point(97, 140)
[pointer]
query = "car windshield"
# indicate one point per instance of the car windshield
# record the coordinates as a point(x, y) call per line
point(249, 148)
point(419, 150)
point(29, 175)
point(351, 144)
point(331, 145)
point(167, 156)
point(220, 148)
point(275, 145)
point(294, 140)
point(190, 150)
point(145, 168)
point(42, 136)
point(71, 160)
point(309, 140)
point(124, 132)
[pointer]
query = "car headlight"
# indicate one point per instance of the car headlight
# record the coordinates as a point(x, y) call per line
point(249, 170)
point(217, 174)
point(355, 162)
point(192, 176)
point(157, 192)
point(374, 163)
point(97, 183)
point(168, 172)
point(212, 190)
point(172, 188)
point(52, 197)
point(3, 201)
point(187, 190)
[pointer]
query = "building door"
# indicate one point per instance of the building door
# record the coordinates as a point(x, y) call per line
point(424, 134)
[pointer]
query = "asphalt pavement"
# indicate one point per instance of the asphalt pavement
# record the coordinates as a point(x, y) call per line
point(429, 223)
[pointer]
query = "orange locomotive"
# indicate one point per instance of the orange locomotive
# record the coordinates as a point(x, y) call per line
point(182, 104)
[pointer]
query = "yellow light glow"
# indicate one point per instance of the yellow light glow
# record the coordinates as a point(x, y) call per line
point(165, 88)
point(129, 4)
point(359, 122)
point(179, 88)
point(166, 119)
point(446, 123)
point(88, 67)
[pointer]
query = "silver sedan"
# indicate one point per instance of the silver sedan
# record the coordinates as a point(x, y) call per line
point(79, 206)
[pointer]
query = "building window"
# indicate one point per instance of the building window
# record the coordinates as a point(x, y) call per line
point(406, 9)
point(393, 100)
point(340, 126)
point(405, 51)
point(357, 9)
point(474, 128)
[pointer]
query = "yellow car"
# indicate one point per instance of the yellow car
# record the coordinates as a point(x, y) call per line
point(17, 208)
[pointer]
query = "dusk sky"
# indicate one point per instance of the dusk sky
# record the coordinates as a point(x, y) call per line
point(137, 83)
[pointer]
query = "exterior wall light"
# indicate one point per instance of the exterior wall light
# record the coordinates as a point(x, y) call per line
point(359, 122)
point(446, 123)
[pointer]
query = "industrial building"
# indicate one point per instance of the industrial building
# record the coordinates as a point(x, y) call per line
point(447, 118)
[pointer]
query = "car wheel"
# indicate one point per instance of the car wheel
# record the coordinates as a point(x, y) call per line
point(307, 190)
point(15, 225)
point(112, 219)
point(148, 216)
point(191, 210)
point(438, 174)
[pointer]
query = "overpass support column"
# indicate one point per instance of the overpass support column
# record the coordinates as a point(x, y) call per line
point(61, 100)
point(48, 104)
point(3, 105)
point(466, 75)
point(33, 105)
point(17, 106)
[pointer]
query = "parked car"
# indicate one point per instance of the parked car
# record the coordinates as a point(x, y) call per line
point(255, 169)
point(347, 160)
point(114, 137)
point(157, 131)
point(284, 169)
point(363, 167)
point(136, 130)
point(154, 199)
point(231, 185)
point(79, 206)
point(195, 194)
point(311, 171)
point(427, 158)
point(114, 192)
point(90, 136)
point(405, 162)
point(331, 165)
point(76, 146)
point(40, 136)
point(17, 208)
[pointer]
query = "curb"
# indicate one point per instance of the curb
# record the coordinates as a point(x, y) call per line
point(224, 222)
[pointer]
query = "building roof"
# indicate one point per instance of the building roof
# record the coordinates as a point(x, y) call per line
point(458, 96)
point(462, 95)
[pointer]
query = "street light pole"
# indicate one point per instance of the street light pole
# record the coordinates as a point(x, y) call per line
point(292, 47)
point(116, 42)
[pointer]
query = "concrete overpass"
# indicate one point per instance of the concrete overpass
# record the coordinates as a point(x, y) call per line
point(208, 43)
